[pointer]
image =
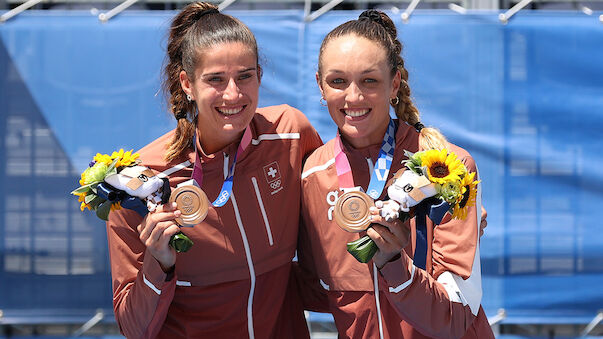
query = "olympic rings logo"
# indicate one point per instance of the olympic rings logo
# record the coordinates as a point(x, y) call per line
point(223, 197)
point(275, 184)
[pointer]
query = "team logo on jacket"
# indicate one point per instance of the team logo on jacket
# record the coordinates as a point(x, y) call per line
point(272, 173)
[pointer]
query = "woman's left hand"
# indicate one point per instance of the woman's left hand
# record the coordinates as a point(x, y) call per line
point(391, 237)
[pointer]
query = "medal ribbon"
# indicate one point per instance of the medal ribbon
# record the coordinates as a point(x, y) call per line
point(226, 190)
point(380, 170)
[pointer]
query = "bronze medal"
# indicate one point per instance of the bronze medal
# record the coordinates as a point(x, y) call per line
point(192, 202)
point(352, 211)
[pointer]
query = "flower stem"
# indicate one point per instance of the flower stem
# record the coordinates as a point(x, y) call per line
point(363, 249)
point(180, 242)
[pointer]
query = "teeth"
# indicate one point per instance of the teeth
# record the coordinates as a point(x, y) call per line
point(356, 113)
point(230, 110)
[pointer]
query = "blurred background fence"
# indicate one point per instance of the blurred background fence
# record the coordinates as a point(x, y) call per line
point(525, 98)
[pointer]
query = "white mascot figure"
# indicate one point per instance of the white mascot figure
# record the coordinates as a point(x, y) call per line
point(407, 190)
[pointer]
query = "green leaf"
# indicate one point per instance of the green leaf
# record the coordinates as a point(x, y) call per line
point(96, 201)
point(180, 242)
point(89, 198)
point(112, 166)
point(111, 172)
point(363, 249)
point(103, 210)
point(81, 189)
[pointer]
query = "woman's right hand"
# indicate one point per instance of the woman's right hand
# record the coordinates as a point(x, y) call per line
point(155, 232)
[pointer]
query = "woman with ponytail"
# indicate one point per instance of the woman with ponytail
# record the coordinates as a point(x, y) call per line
point(234, 281)
point(360, 75)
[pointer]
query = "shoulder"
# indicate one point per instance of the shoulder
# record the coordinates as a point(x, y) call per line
point(282, 119)
point(319, 160)
point(152, 155)
point(464, 156)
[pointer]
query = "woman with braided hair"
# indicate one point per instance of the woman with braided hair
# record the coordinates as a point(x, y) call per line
point(234, 281)
point(397, 294)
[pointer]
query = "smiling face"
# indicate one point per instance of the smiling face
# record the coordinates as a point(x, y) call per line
point(356, 81)
point(225, 89)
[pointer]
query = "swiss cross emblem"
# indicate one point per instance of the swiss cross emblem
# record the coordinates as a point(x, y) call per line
point(272, 172)
point(273, 177)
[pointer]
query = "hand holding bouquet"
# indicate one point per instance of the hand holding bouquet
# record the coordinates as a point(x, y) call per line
point(118, 180)
point(435, 174)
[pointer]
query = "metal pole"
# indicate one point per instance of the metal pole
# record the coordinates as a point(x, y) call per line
point(592, 324)
point(104, 17)
point(225, 4)
point(504, 17)
point(307, 8)
point(323, 10)
point(22, 7)
point(98, 316)
point(411, 7)
point(457, 8)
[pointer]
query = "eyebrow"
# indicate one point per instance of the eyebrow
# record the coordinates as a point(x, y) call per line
point(220, 73)
point(370, 70)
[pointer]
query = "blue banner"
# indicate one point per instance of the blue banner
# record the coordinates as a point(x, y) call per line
point(524, 98)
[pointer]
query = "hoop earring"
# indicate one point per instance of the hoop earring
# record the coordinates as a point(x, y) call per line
point(323, 102)
point(394, 101)
point(188, 97)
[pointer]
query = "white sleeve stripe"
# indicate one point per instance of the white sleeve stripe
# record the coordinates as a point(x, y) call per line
point(174, 169)
point(406, 283)
point(322, 283)
point(183, 283)
point(467, 291)
point(278, 136)
point(318, 168)
point(151, 286)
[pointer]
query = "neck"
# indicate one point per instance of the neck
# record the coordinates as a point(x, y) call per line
point(211, 143)
point(366, 141)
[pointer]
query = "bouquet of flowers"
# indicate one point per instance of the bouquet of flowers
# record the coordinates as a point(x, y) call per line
point(434, 177)
point(118, 180)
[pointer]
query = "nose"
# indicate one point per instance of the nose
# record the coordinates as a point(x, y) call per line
point(353, 93)
point(231, 92)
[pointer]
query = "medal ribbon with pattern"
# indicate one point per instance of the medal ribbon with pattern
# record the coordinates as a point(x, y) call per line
point(226, 190)
point(380, 170)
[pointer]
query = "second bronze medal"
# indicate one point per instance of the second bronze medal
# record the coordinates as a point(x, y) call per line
point(352, 211)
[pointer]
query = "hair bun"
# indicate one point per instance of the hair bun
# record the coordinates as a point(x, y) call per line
point(199, 14)
point(372, 15)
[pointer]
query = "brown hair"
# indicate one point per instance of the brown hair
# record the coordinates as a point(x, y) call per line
point(378, 27)
point(198, 26)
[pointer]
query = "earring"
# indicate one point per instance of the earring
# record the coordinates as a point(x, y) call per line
point(394, 101)
point(188, 97)
point(323, 102)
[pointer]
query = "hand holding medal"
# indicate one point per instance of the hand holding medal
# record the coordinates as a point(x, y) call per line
point(436, 174)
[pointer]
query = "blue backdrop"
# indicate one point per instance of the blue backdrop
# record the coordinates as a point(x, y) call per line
point(526, 99)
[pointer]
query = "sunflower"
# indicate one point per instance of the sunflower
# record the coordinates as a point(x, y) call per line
point(125, 158)
point(81, 197)
point(467, 198)
point(442, 167)
point(103, 158)
point(115, 206)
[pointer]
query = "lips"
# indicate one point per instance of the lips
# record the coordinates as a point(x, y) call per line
point(231, 110)
point(354, 113)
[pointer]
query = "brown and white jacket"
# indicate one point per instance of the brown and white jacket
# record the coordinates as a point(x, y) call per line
point(233, 283)
point(400, 300)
